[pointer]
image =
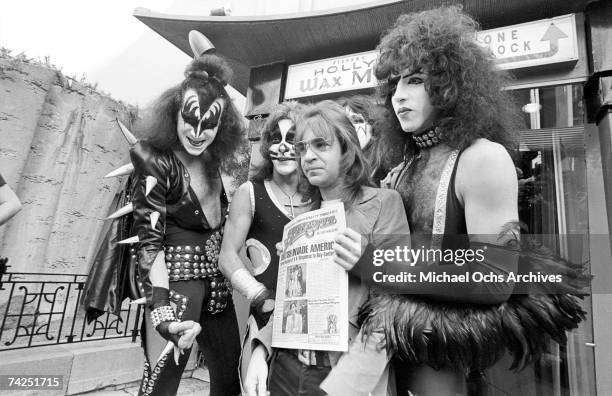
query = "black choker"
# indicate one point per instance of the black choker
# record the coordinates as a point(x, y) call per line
point(428, 138)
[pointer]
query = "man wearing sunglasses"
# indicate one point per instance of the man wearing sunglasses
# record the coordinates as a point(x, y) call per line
point(334, 169)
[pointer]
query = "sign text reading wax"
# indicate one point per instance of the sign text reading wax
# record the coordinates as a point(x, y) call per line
point(343, 73)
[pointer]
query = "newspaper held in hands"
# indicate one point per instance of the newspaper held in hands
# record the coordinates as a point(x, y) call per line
point(311, 306)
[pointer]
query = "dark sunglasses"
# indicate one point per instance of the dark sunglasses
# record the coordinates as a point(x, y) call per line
point(317, 144)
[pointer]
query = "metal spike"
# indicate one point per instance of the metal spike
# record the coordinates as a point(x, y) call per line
point(151, 182)
point(121, 171)
point(130, 240)
point(167, 349)
point(129, 208)
point(140, 301)
point(154, 219)
point(200, 44)
point(177, 354)
point(129, 136)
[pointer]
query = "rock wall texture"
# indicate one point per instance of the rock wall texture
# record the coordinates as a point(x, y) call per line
point(58, 138)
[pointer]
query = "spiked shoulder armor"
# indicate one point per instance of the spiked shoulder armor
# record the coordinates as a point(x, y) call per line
point(157, 181)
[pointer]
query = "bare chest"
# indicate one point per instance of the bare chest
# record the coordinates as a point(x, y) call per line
point(419, 187)
point(289, 201)
point(207, 190)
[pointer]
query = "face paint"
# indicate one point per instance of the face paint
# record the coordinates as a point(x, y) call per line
point(195, 131)
point(282, 151)
point(411, 102)
point(364, 130)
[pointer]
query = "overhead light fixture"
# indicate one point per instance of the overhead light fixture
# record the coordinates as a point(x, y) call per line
point(531, 108)
point(226, 10)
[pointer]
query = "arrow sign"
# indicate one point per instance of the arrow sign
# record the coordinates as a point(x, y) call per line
point(533, 43)
point(553, 34)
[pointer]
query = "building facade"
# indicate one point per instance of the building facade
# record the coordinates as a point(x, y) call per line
point(558, 52)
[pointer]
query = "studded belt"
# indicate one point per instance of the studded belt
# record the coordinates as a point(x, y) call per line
point(186, 262)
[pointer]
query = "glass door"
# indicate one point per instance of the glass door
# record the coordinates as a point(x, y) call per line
point(551, 167)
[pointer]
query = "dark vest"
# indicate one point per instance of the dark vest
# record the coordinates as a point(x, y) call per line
point(267, 228)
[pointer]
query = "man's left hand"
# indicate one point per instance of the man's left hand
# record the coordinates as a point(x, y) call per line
point(347, 248)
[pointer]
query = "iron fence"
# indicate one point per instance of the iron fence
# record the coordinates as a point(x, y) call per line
point(40, 309)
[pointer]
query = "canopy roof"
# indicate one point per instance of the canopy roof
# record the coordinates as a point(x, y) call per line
point(294, 38)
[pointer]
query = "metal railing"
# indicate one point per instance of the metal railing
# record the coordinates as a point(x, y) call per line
point(38, 309)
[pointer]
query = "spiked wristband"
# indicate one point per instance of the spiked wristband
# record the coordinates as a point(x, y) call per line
point(162, 314)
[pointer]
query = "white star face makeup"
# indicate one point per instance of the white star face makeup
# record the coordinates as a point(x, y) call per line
point(196, 131)
point(364, 130)
point(282, 151)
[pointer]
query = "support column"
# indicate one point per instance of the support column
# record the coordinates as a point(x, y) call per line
point(266, 86)
point(598, 89)
point(598, 97)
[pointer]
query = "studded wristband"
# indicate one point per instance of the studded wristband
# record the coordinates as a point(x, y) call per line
point(165, 313)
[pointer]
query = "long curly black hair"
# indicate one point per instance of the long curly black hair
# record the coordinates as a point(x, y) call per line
point(462, 83)
point(207, 74)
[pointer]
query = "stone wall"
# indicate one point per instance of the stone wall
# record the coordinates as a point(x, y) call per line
point(58, 138)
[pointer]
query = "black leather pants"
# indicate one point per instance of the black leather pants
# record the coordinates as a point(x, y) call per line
point(219, 342)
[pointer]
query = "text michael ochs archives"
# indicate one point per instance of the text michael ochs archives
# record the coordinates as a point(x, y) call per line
point(458, 257)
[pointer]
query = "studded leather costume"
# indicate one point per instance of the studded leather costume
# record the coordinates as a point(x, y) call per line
point(191, 248)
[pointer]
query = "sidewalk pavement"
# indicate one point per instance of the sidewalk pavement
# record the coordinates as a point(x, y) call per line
point(197, 385)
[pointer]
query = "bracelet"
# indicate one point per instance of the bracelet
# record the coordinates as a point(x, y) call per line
point(246, 284)
point(165, 313)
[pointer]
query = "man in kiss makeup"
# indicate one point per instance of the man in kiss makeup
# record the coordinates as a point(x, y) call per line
point(451, 126)
point(260, 209)
point(179, 208)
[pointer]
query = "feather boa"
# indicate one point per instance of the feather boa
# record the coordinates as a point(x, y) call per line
point(474, 337)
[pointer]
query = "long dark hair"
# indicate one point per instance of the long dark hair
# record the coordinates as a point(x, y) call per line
point(462, 83)
point(207, 75)
point(329, 120)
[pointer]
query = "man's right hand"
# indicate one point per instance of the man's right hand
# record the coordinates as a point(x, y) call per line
point(257, 373)
point(187, 331)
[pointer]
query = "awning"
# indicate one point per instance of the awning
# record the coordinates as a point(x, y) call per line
point(294, 38)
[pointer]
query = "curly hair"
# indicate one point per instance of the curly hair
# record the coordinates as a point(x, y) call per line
point(286, 110)
point(328, 119)
point(207, 75)
point(462, 83)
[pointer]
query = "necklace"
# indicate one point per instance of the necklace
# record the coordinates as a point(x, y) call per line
point(428, 138)
point(289, 197)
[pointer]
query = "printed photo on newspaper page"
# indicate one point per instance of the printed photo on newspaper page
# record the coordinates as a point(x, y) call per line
point(311, 308)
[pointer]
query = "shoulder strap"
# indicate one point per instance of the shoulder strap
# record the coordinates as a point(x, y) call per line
point(439, 219)
point(251, 198)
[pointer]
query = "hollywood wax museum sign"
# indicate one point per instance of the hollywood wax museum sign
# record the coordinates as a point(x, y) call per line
point(343, 73)
point(529, 44)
